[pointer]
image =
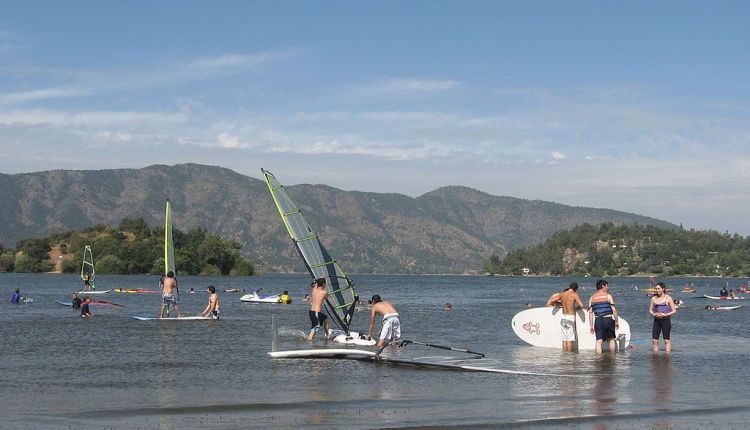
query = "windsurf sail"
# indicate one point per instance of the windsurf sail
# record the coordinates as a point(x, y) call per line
point(87, 268)
point(341, 299)
point(168, 242)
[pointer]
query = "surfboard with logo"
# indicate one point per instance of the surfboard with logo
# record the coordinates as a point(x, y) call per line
point(541, 327)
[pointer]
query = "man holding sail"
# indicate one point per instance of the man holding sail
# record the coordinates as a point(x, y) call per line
point(317, 317)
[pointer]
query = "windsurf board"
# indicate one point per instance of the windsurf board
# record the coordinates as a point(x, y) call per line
point(191, 318)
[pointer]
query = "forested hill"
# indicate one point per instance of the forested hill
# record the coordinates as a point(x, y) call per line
point(613, 250)
point(449, 230)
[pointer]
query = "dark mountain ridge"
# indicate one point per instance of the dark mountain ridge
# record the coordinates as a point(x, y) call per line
point(449, 230)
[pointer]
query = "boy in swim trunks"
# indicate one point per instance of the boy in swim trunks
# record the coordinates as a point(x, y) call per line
point(317, 318)
point(603, 316)
point(391, 330)
point(569, 299)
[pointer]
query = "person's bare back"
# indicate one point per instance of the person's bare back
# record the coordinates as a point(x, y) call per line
point(569, 298)
point(317, 298)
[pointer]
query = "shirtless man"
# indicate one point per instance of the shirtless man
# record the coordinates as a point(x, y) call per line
point(212, 308)
point(569, 299)
point(317, 318)
point(554, 300)
point(391, 330)
point(168, 294)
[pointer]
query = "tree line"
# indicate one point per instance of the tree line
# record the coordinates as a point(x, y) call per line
point(133, 247)
point(621, 250)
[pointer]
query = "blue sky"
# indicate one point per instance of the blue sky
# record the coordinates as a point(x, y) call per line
point(635, 106)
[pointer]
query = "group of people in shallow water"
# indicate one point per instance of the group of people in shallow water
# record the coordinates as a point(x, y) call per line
point(604, 319)
point(391, 323)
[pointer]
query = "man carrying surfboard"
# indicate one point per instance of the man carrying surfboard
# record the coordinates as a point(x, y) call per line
point(569, 299)
point(603, 316)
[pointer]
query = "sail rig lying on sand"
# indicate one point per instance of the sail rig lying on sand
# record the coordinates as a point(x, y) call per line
point(341, 299)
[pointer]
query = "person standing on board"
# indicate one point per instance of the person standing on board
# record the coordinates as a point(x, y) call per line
point(603, 316)
point(391, 330)
point(87, 281)
point(85, 311)
point(317, 318)
point(168, 294)
point(661, 307)
point(212, 308)
point(569, 299)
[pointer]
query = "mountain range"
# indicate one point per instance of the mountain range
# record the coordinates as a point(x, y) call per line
point(449, 230)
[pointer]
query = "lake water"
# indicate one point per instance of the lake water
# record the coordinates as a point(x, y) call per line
point(61, 371)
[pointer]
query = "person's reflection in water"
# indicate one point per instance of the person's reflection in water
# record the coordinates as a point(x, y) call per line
point(605, 399)
point(661, 375)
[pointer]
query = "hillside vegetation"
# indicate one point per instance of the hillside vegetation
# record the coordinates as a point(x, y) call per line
point(131, 248)
point(622, 250)
point(448, 230)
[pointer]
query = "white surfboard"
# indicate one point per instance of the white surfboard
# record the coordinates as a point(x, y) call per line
point(722, 298)
point(355, 354)
point(192, 318)
point(93, 292)
point(541, 327)
point(354, 338)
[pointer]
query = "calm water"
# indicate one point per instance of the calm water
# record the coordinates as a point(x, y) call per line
point(59, 370)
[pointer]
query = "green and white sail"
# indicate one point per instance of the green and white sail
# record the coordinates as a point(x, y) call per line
point(168, 242)
point(341, 296)
point(87, 267)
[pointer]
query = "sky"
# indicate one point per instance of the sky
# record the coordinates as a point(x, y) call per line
point(637, 106)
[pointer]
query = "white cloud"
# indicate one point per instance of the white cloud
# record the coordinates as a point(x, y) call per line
point(557, 155)
point(47, 93)
point(402, 85)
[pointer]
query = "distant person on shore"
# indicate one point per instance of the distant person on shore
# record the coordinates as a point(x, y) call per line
point(723, 292)
point(76, 302)
point(87, 281)
point(603, 316)
point(570, 302)
point(448, 307)
point(212, 308)
point(391, 331)
point(661, 307)
point(318, 319)
point(168, 294)
point(285, 298)
point(85, 311)
point(15, 298)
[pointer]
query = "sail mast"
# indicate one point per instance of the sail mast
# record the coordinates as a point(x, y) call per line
point(341, 296)
point(168, 243)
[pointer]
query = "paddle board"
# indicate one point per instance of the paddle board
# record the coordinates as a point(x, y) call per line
point(94, 303)
point(724, 308)
point(541, 327)
point(93, 292)
point(722, 298)
point(192, 318)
